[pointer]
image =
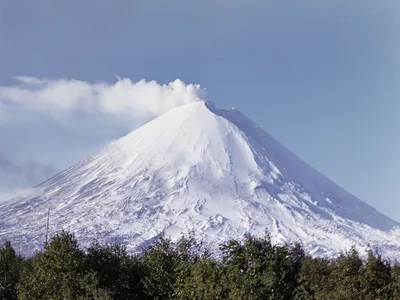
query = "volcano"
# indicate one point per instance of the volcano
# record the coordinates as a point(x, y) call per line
point(198, 169)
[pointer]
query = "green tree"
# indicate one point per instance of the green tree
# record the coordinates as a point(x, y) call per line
point(116, 271)
point(159, 265)
point(286, 265)
point(202, 280)
point(346, 276)
point(314, 280)
point(10, 264)
point(91, 290)
point(377, 281)
point(247, 272)
point(167, 264)
point(56, 273)
point(256, 269)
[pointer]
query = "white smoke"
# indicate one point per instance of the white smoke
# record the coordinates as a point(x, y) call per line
point(124, 99)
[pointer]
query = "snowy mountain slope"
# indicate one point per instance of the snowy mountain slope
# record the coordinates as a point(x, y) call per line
point(202, 169)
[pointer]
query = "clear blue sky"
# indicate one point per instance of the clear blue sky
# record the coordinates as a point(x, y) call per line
point(321, 76)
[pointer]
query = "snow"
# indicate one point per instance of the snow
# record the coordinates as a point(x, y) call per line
point(198, 168)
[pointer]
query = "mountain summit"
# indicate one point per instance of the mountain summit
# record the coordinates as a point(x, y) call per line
point(198, 168)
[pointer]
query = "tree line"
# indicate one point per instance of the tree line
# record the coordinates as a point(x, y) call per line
point(253, 268)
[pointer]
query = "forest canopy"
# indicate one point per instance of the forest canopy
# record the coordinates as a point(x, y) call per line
point(253, 268)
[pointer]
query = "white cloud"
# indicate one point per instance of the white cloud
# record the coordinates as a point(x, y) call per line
point(125, 100)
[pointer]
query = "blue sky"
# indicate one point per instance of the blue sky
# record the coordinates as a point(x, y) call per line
point(323, 77)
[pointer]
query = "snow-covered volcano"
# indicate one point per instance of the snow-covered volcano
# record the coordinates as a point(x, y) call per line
point(198, 168)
